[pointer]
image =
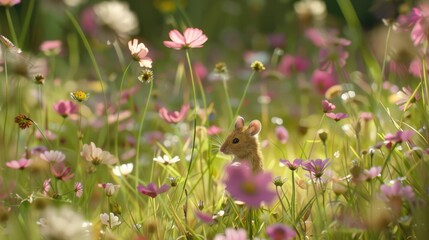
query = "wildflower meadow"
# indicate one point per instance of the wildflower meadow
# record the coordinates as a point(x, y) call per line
point(198, 119)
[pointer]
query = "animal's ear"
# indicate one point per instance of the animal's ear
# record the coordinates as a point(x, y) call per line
point(254, 127)
point(239, 122)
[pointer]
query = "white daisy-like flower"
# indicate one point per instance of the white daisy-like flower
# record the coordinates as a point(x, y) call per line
point(166, 159)
point(123, 169)
point(96, 155)
point(110, 220)
point(53, 156)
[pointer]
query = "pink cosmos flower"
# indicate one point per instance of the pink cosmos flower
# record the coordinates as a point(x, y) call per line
point(139, 52)
point(292, 166)
point(252, 189)
point(280, 232)
point(65, 108)
point(19, 164)
point(152, 190)
point(291, 64)
point(372, 173)
point(61, 171)
point(418, 19)
point(232, 234)
point(366, 116)
point(46, 186)
point(399, 137)
point(213, 130)
point(406, 98)
point(316, 167)
point(96, 156)
point(416, 68)
point(396, 190)
point(200, 70)
point(78, 189)
point(9, 3)
point(191, 38)
point(173, 117)
point(282, 134)
point(327, 106)
point(51, 47)
point(53, 156)
point(322, 80)
point(204, 217)
point(337, 116)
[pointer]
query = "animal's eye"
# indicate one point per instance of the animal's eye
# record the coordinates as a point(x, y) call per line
point(235, 140)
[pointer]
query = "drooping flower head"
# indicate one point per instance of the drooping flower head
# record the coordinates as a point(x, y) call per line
point(244, 185)
point(327, 106)
point(173, 117)
point(280, 232)
point(139, 52)
point(152, 190)
point(191, 38)
point(23, 121)
point(316, 167)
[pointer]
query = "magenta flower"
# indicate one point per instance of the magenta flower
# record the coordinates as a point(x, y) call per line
point(316, 167)
point(399, 137)
point(9, 3)
point(292, 166)
point(152, 190)
point(191, 38)
point(327, 106)
point(280, 232)
point(52, 47)
point(322, 81)
point(200, 70)
point(291, 64)
point(252, 189)
point(19, 164)
point(204, 217)
point(330, 57)
point(46, 186)
point(65, 108)
point(395, 191)
point(61, 171)
point(139, 52)
point(282, 134)
point(78, 189)
point(418, 19)
point(337, 116)
point(372, 173)
point(173, 117)
point(232, 234)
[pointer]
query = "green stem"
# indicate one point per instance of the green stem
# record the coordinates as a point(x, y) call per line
point(293, 196)
point(118, 109)
point(26, 24)
point(11, 28)
point(6, 102)
point(94, 63)
point(228, 101)
point(43, 135)
point(249, 223)
point(244, 93)
point(383, 68)
point(195, 122)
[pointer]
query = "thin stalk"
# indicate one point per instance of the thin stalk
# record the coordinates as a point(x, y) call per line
point(425, 85)
point(383, 68)
point(118, 108)
point(43, 135)
point(6, 102)
point(228, 101)
point(244, 93)
point(10, 24)
point(26, 24)
point(249, 223)
point(195, 122)
point(293, 196)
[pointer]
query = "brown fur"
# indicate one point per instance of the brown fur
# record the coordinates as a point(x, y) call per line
point(247, 148)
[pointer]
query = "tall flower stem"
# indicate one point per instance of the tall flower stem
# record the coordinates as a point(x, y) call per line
point(195, 122)
point(140, 132)
point(228, 101)
point(244, 94)
point(6, 99)
point(10, 24)
point(118, 109)
point(26, 24)
point(293, 196)
point(43, 135)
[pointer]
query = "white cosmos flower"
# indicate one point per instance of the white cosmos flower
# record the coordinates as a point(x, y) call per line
point(96, 155)
point(110, 220)
point(123, 169)
point(166, 159)
point(53, 156)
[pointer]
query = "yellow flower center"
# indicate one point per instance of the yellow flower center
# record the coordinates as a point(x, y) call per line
point(249, 188)
point(79, 96)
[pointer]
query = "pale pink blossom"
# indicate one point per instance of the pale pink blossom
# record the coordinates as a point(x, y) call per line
point(53, 156)
point(291, 64)
point(46, 186)
point(282, 134)
point(65, 108)
point(51, 47)
point(139, 52)
point(327, 106)
point(78, 189)
point(418, 19)
point(173, 117)
point(322, 81)
point(191, 38)
point(96, 155)
point(19, 164)
point(9, 3)
point(232, 234)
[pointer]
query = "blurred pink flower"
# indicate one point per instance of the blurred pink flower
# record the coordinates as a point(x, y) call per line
point(152, 190)
point(322, 80)
point(337, 116)
point(204, 217)
point(173, 117)
point(327, 106)
point(366, 116)
point(331, 57)
point(372, 173)
point(418, 19)
point(280, 232)
point(399, 137)
point(323, 39)
point(110, 188)
point(396, 190)
point(316, 167)
point(9, 3)
point(191, 38)
point(282, 134)
point(61, 171)
point(48, 134)
point(252, 189)
point(213, 130)
point(416, 68)
point(139, 52)
point(96, 156)
point(46, 186)
point(65, 108)
point(276, 40)
point(78, 189)
point(292, 166)
point(200, 70)
point(51, 47)
point(406, 98)
point(232, 234)
point(19, 164)
point(53, 156)
point(291, 64)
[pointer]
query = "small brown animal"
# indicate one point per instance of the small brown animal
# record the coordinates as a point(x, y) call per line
point(244, 145)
